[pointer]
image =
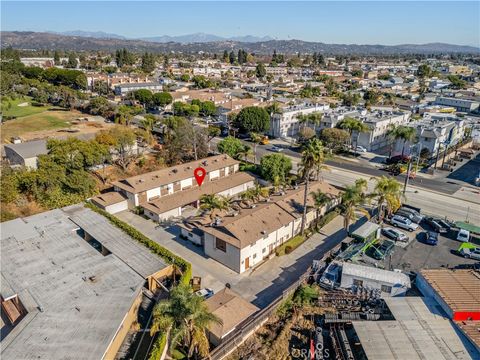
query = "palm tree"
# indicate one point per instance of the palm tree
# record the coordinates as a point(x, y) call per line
point(390, 134)
point(405, 133)
point(185, 317)
point(249, 195)
point(256, 139)
point(388, 192)
point(351, 125)
point(320, 200)
point(353, 198)
point(246, 151)
point(315, 118)
point(302, 120)
point(312, 160)
point(213, 203)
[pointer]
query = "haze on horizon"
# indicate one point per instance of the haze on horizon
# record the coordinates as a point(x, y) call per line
point(329, 22)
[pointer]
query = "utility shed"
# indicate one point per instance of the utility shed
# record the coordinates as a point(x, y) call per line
point(417, 333)
point(388, 282)
point(72, 301)
point(366, 232)
point(113, 240)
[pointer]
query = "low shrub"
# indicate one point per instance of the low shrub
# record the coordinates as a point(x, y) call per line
point(155, 248)
point(288, 249)
point(158, 347)
point(290, 245)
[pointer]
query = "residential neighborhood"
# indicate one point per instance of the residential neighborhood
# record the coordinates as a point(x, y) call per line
point(309, 191)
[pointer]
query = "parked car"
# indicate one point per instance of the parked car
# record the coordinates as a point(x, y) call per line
point(397, 159)
point(463, 235)
point(471, 253)
point(403, 222)
point(380, 251)
point(360, 149)
point(412, 211)
point(435, 225)
point(414, 218)
point(394, 234)
point(205, 293)
point(276, 149)
point(432, 238)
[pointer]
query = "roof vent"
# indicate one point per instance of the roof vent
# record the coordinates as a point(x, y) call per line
point(253, 206)
point(204, 163)
point(92, 278)
point(263, 232)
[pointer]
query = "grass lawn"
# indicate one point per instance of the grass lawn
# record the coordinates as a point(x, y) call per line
point(293, 243)
point(21, 111)
point(47, 120)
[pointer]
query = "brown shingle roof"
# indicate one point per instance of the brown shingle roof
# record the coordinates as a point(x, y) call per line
point(109, 198)
point(250, 225)
point(155, 179)
point(460, 289)
point(231, 309)
point(471, 329)
point(182, 198)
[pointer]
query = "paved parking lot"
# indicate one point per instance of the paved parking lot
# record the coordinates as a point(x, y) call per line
point(265, 282)
point(417, 254)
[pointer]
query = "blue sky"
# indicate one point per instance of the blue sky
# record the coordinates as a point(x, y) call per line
point(377, 22)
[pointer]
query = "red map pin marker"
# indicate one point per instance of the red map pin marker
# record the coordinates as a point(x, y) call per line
point(199, 174)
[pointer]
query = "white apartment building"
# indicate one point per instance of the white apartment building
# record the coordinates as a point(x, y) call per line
point(379, 122)
point(287, 124)
point(332, 117)
point(243, 239)
point(463, 105)
point(124, 89)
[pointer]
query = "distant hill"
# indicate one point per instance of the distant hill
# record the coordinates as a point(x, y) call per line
point(204, 38)
point(38, 40)
point(93, 34)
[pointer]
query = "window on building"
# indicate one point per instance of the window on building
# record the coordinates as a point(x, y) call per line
point(264, 250)
point(386, 289)
point(254, 256)
point(357, 282)
point(220, 245)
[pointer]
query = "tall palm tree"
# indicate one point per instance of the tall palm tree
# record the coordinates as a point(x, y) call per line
point(388, 194)
point(256, 139)
point(246, 151)
point(303, 120)
point(185, 317)
point(390, 134)
point(312, 160)
point(353, 198)
point(315, 118)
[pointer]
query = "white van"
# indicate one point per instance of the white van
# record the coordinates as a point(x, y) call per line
point(463, 235)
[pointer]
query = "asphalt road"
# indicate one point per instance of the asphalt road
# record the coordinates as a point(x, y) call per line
point(432, 196)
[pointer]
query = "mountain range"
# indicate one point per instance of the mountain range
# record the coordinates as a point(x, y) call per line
point(45, 40)
point(181, 39)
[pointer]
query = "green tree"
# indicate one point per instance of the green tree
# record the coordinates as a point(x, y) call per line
point(144, 96)
point(405, 134)
point(388, 193)
point(213, 204)
point(253, 119)
point(231, 146)
point(424, 71)
point(353, 200)
point(275, 168)
point(334, 138)
point(162, 99)
point(56, 57)
point(148, 63)
point(185, 318)
point(353, 125)
point(320, 201)
point(260, 71)
point(72, 61)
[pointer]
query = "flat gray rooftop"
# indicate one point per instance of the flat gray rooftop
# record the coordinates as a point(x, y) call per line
point(419, 332)
point(134, 254)
point(76, 298)
point(29, 149)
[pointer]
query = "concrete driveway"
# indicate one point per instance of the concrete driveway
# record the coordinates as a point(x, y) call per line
point(260, 285)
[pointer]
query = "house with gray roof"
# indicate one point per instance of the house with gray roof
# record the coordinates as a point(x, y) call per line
point(25, 153)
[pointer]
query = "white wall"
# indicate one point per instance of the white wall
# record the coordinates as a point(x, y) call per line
point(186, 183)
point(397, 289)
point(196, 239)
point(230, 258)
point(152, 193)
point(214, 174)
point(115, 208)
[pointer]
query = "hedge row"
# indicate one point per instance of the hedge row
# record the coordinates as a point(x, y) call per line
point(158, 347)
point(155, 248)
point(329, 216)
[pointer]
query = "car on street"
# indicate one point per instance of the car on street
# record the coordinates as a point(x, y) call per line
point(463, 235)
point(414, 218)
point(276, 149)
point(394, 234)
point(403, 222)
point(205, 293)
point(431, 237)
point(471, 253)
point(435, 225)
point(360, 149)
